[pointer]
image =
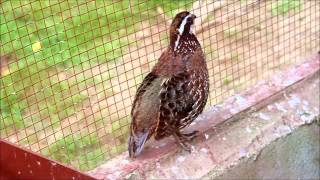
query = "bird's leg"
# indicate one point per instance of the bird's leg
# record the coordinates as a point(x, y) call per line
point(184, 144)
point(190, 136)
point(184, 139)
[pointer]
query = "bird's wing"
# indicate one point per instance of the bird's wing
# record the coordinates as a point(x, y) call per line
point(145, 107)
point(142, 89)
point(144, 113)
point(182, 99)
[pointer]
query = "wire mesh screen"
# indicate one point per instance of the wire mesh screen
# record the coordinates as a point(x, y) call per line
point(70, 69)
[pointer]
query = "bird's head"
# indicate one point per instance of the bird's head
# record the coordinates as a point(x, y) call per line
point(181, 28)
point(182, 23)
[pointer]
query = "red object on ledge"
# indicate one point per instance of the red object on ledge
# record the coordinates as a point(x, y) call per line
point(18, 163)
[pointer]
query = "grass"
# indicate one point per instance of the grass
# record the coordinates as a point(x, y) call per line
point(83, 151)
point(48, 96)
point(50, 44)
point(281, 7)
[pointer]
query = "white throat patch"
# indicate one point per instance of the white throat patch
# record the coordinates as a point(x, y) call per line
point(191, 29)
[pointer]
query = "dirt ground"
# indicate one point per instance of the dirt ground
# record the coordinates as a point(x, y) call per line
point(243, 43)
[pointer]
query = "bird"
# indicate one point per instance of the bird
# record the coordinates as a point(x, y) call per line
point(174, 93)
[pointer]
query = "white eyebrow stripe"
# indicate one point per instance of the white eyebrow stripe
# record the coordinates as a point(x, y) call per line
point(184, 22)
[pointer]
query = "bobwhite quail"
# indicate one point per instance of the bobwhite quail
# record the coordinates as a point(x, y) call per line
point(174, 93)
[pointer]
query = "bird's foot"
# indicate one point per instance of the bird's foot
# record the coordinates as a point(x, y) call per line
point(188, 136)
point(184, 139)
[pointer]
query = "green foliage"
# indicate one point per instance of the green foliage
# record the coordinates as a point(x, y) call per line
point(83, 151)
point(284, 6)
point(35, 95)
point(170, 8)
point(70, 32)
point(91, 160)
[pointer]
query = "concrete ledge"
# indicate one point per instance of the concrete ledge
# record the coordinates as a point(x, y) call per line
point(238, 129)
point(295, 156)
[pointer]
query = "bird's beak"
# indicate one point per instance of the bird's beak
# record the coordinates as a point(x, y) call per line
point(193, 17)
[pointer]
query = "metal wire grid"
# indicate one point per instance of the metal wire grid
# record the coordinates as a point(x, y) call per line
point(71, 101)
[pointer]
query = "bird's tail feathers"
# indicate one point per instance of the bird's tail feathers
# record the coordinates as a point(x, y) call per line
point(136, 143)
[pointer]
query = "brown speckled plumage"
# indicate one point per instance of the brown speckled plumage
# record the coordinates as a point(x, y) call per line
point(174, 93)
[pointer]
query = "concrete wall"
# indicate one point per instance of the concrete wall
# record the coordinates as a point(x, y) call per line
point(296, 156)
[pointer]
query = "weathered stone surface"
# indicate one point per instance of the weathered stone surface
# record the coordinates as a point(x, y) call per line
point(296, 156)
